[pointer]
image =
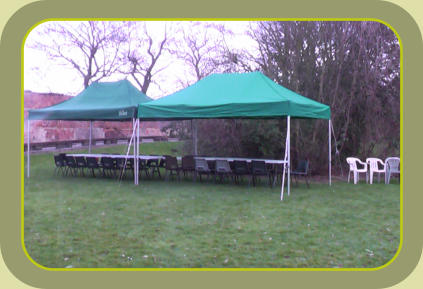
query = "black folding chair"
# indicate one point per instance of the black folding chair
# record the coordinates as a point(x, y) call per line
point(92, 164)
point(258, 168)
point(70, 165)
point(108, 166)
point(123, 165)
point(302, 170)
point(60, 165)
point(212, 166)
point(240, 168)
point(143, 167)
point(154, 166)
point(222, 169)
point(172, 167)
point(188, 165)
point(81, 165)
point(201, 168)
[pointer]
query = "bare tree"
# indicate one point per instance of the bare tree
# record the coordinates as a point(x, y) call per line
point(201, 48)
point(90, 47)
point(142, 53)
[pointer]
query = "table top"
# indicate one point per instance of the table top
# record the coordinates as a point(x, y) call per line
point(148, 157)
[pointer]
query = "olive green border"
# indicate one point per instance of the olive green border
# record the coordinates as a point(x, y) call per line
point(26, 17)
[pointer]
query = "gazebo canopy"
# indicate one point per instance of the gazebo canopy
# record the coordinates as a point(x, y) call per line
point(233, 95)
point(100, 101)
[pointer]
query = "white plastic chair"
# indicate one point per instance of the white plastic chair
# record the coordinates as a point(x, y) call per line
point(374, 168)
point(352, 162)
point(392, 166)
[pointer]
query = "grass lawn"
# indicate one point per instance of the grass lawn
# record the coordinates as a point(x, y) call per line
point(97, 222)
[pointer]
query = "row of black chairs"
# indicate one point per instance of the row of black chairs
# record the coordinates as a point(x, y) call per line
point(234, 170)
point(105, 166)
point(196, 167)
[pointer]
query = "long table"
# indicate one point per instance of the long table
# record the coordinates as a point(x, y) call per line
point(148, 157)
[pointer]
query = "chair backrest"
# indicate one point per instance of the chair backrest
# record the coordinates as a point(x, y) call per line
point(59, 160)
point(152, 162)
point(241, 167)
point(108, 163)
point(211, 164)
point(188, 163)
point(201, 165)
point(81, 162)
point(374, 163)
point(302, 166)
point(120, 163)
point(222, 166)
point(70, 161)
point(393, 164)
point(352, 162)
point(258, 167)
point(129, 163)
point(92, 162)
point(142, 163)
point(162, 162)
point(171, 163)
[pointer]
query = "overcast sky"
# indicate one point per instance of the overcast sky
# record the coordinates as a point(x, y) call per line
point(42, 74)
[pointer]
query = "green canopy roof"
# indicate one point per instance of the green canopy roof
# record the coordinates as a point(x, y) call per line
point(100, 101)
point(233, 95)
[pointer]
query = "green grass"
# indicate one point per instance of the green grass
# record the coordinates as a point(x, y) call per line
point(97, 222)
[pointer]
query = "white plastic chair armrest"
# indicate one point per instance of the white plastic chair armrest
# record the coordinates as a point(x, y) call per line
point(382, 164)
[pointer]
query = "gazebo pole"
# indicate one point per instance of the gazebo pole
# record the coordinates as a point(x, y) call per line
point(287, 158)
point(28, 149)
point(138, 147)
point(330, 154)
point(135, 160)
point(284, 167)
point(91, 136)
point(289, 154)
point(132, 139)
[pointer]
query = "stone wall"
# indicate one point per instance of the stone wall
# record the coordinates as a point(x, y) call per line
point(57, 130)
